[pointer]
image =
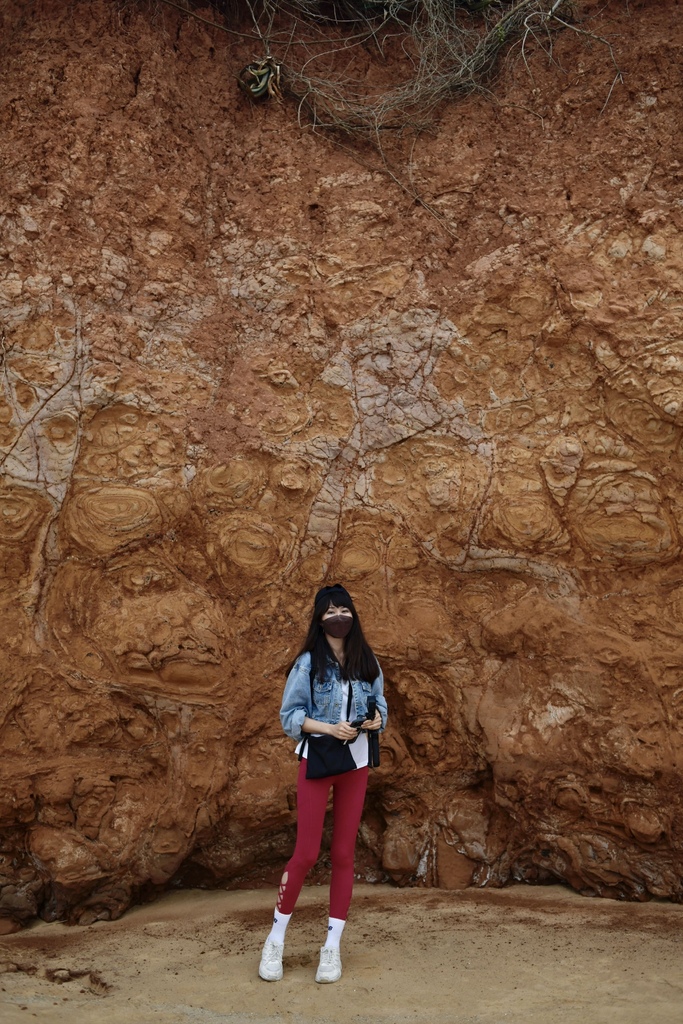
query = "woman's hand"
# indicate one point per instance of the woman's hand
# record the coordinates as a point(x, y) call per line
point(376, 722)
point(342, 731)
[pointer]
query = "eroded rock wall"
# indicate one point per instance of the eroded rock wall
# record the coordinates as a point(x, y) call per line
point(238, 362)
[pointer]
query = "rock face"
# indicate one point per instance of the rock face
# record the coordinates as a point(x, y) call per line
point(236, 363)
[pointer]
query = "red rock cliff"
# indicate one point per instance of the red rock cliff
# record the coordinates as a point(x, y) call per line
point(236, 362)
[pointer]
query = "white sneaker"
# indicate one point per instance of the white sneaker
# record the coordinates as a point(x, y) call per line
point(270, 968)
point(329, 968)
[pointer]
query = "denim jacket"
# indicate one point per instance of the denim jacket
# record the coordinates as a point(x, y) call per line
point(327, 696)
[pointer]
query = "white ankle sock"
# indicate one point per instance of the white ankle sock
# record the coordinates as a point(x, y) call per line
point(280, 922)
point(335, 927)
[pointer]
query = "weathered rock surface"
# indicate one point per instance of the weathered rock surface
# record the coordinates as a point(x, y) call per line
point(236, 363)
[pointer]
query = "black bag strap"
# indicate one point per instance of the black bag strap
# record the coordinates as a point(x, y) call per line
point(373, 738)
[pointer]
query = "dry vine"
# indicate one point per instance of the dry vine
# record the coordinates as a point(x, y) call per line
point(312, 50)
point(448, 47)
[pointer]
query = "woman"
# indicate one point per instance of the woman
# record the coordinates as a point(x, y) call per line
point(335, 662)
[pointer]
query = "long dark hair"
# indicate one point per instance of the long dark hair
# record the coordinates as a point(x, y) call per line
point(359, 661)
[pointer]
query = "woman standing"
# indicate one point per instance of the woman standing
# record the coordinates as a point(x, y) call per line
point(328, 687)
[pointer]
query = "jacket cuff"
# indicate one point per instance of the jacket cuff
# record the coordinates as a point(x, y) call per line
point(296, 722)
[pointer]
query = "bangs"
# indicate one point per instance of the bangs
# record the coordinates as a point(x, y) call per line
point(339, 601)
point(336, 595)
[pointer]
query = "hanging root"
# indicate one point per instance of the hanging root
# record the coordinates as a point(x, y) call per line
point(448, 47)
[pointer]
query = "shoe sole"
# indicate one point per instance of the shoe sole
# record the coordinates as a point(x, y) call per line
point(278, 977)
point(327, 981)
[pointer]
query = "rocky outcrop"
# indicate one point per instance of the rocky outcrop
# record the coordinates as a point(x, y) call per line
point(237, 362)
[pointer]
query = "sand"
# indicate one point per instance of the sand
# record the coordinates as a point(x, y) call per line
point(514, 956)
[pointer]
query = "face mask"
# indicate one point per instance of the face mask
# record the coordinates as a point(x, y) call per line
point(338, 626)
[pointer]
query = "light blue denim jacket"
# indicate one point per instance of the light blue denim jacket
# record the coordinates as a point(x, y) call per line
point(327, 696)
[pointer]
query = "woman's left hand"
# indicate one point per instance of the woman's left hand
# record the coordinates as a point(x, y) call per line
point(376, 722)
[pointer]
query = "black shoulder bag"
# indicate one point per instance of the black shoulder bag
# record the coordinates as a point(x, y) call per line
point(329, 756)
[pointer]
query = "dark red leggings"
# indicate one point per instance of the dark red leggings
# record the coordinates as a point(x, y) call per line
point(347, 806)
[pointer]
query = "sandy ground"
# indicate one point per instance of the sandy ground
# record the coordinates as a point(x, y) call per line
point(514, 956)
